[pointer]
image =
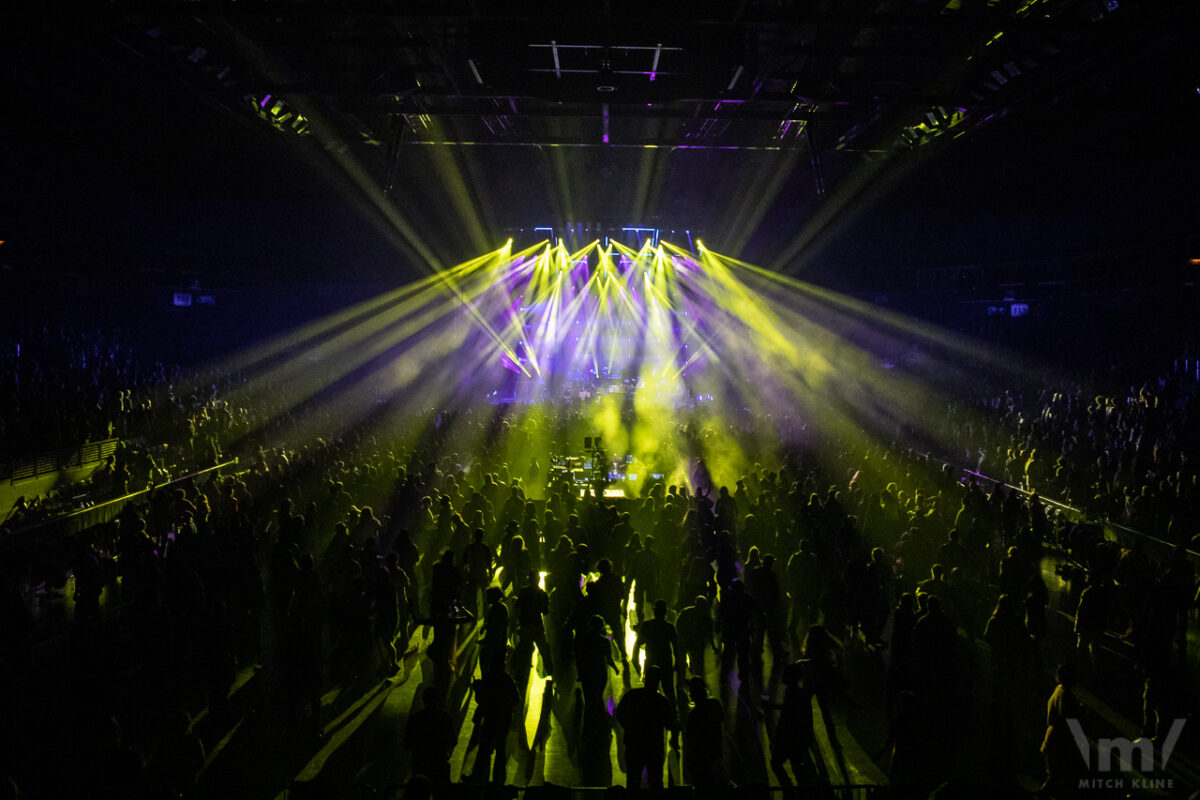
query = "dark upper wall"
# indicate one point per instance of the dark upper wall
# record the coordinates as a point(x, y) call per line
point(116, 165)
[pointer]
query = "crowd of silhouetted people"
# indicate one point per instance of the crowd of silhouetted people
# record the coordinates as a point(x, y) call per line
point(1120, 455)
point(853, 579)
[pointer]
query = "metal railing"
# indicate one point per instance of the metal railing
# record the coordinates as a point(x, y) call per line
point(84, 518)
point(30, 467)
point(1115, 531)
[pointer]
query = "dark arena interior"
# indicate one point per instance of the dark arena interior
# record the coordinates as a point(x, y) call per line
point(482, 400)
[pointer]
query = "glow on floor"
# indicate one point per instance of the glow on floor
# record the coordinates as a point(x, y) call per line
point(535, 690)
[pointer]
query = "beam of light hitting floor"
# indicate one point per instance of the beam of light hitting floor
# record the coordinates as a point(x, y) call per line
point(534, 690)
point(630, 629)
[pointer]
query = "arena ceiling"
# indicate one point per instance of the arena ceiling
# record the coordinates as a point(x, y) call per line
point(859, 76)
point(735, 118)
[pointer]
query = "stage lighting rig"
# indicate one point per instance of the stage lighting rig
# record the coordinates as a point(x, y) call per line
point(282, 116)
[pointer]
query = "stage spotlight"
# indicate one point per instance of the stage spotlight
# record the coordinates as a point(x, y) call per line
point(277, 112)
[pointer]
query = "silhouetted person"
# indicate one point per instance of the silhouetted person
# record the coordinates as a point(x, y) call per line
point(89, 583)
point(645, 578)
point(496, 699)
point(769, 596)
point(935, 584)
point(703, 735)
point(1152, 633)
point(593, 660)
point(904, 743)
point(1013, 578)
point(446, 614)
point(793, 740)
point(805, 584)
point(1064, 764)
point(445, 586)
point(609, 593)
point(1009, 642)
point(386, 603)
point(431, 736)
point(478, 559)
point(493, 645)
point(822, 676)
point(736, 617)
point(405, 600)
point(290, 527)
point(1091, 620)
point(934, 641)
point(409, 558)
point(532, 605)
point(646, 716)
point(659, 638)
point(900, 663)
point(517, 561)
point(695, 627)
point(1011, 651)
point(304, 643)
